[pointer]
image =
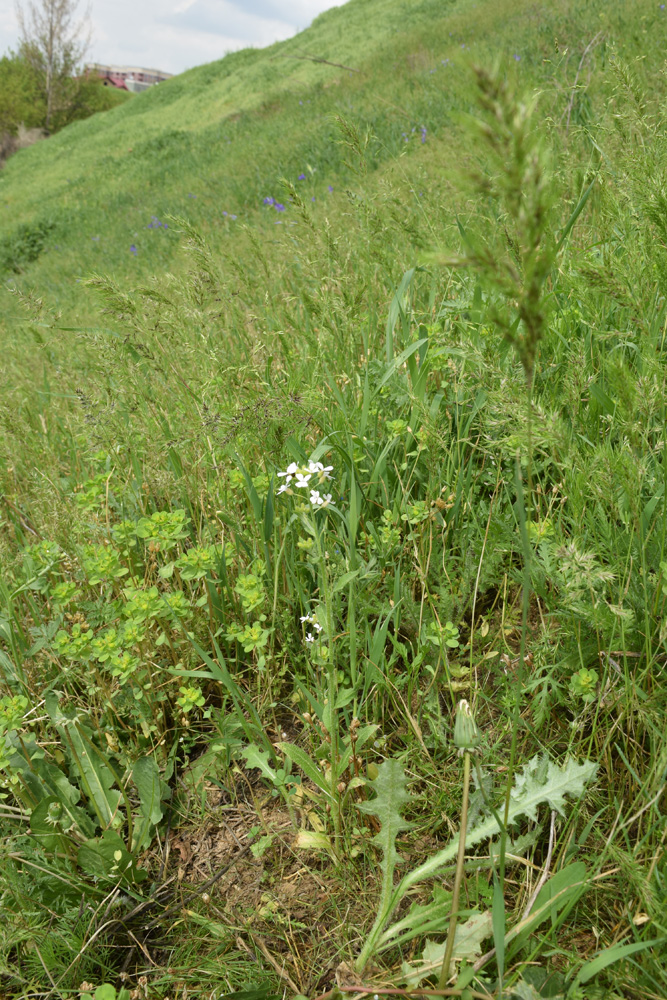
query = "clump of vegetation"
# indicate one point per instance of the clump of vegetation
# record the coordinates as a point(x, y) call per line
point(334, 571)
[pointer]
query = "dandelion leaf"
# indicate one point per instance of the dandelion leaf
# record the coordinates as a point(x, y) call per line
point(391, 794)
point(260, 759)
point(467, 944)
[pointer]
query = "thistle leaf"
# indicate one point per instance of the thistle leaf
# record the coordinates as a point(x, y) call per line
point(539, 781)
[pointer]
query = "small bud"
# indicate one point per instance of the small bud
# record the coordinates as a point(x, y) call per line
point(466, 733)
point(54, 813)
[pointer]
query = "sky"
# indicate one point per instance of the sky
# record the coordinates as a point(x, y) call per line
point(173, 35)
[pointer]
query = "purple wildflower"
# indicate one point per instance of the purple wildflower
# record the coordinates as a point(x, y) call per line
point(269, 201)
point(331, 187)
point(517, 57)
point(278, 207)
point(423, 132)
point(302, 177)
point(133, 249)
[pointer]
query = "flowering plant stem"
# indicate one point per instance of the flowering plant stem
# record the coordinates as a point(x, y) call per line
point(458, 879)
point(331, 688)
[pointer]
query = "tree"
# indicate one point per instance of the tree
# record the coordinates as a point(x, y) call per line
point(54, 44)
point(21, 101)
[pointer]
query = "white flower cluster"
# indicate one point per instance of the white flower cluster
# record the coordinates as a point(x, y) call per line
point(311, 620)
point(305, 477)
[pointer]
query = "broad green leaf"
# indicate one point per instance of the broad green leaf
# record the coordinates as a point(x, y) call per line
point(261, 992)
point(107, 859)
point(498, 920)
point(525, 991)
point(307, 765)
point(313, 840)
point(96, 776)
point(97, 779)
point(467, 944)
point(260, 759)
point(105, 992)
point(345, 579)
point(552, 897)
point(146, 777)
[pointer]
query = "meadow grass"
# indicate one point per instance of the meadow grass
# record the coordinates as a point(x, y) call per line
point(331, 399)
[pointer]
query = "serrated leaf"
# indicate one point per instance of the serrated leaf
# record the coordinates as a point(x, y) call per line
point(467, 944)
point(391, 795)
point(260, 759)
point(539, 781)
point(542, 780)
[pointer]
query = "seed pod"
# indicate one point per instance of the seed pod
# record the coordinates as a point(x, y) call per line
point(466, 733)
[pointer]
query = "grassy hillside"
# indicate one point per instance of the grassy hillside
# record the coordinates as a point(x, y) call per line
point(333, 519)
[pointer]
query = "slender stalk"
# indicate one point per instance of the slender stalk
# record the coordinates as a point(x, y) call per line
point(458, 879)
point(331, 691)
point(524, 503)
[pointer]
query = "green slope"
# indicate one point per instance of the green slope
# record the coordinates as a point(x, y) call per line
point(157, 382)
point(218, 138)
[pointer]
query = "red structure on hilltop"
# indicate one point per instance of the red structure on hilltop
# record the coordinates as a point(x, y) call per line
point(134, 78)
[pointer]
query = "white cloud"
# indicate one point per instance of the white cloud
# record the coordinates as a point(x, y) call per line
point(175, 36)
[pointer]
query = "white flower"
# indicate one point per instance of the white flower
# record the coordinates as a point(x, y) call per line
point(289, 471)
point(301, 480)
point(326, 499)
point(317, 626)
point(284, 488)
point(310, 637)
point(315, 498)
point(306, 618)
point(319, 470)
